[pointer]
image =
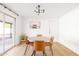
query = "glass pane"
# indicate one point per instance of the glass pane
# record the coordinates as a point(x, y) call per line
point(1, 37)
point(1, 28)
point(8, 30)
point(8, 35)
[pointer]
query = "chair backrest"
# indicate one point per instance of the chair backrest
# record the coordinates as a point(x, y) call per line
point(39, 35)
point(26, 39)
point(51, 40)
point(39, 45)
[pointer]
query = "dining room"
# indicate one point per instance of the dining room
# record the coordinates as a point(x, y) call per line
point(39, 29)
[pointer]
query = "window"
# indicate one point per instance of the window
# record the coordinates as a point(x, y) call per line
point(8, 30)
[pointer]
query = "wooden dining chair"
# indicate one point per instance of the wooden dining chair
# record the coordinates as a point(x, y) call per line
point(39, 46)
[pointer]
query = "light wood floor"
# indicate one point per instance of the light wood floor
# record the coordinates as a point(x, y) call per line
point(58, 50)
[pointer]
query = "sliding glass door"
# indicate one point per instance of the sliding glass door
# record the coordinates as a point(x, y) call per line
point(7, 26)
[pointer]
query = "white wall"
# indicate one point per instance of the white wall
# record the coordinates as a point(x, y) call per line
point(69, 30)
point(18, 29)
point(44, 27)
point(54, 29)
point(18, 23)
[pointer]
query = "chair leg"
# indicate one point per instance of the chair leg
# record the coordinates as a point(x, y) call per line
point(25, 49)
point(44, 53)
point(33, 53)
point(51, 50)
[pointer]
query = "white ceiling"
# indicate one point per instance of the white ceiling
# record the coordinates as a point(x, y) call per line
point(52, 10)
